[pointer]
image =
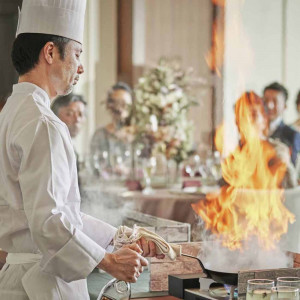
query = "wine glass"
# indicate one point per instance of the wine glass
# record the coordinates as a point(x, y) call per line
point(259, 289)
point(149, 166)
point(101, 164)
point(216, 169)
point(285, 292)
point(192, 167)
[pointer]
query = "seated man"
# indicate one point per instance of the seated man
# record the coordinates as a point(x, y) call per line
point(275, 98)
point(71, 110)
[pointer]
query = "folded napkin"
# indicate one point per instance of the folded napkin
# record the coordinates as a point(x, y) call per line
point(126, 235)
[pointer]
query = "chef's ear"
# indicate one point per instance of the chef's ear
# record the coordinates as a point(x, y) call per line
point(48, 52)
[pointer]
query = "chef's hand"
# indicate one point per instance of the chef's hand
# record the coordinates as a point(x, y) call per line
point(125, 264)
point(149, 248)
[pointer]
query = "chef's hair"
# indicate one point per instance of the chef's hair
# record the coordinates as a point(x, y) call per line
point(63, 101)
point(27, 47)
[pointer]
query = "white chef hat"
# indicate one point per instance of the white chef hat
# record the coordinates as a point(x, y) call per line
point(58, 17)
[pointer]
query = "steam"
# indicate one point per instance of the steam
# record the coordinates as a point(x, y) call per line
point(252, 257)
point(105, 206)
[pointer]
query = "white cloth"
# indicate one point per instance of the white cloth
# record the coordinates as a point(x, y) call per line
point(64, 18)
point(40, 203)
point(126, 235)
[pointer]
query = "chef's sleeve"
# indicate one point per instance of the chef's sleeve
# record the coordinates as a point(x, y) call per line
point(99, 231)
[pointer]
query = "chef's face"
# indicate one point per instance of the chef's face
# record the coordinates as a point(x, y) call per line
point(74, 116)
point(275, 103)
point(66, 70)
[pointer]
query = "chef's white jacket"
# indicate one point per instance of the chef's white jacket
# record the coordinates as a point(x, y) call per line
point(40, 203)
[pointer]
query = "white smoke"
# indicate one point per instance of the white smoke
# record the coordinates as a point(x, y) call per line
point(105, 206)
point(218, 258)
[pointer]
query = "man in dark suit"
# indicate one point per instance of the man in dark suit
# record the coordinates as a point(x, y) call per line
point(275, 98)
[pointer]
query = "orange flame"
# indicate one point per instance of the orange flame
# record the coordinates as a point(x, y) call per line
point(219, 138)
point(251, 203)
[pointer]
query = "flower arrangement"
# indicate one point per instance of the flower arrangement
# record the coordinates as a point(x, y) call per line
point(162, 99)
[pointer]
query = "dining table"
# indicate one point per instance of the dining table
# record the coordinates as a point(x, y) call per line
point(168, 203)
point(107, 202)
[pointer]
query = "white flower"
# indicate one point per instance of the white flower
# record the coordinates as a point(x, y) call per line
point(145, 109)
point(141, 80)
point(179, 93)
point(164, 90)
point(156, 84)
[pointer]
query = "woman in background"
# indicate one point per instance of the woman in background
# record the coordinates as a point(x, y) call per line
point(110, 142)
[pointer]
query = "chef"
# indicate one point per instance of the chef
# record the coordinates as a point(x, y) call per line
point(52, 246)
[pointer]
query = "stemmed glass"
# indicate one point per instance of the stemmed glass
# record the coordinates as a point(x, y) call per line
point(193, 165)
point(149, 166)
point(101, 164)
point(259, 289)
point(216, 169)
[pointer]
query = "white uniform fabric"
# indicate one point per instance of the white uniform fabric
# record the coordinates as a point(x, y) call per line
point(64, 18)
point(40, 204)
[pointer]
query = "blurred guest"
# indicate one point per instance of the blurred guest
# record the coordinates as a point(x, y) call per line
point(71, 110)
point(296, 124)
point(275, 98)
point(110, 141)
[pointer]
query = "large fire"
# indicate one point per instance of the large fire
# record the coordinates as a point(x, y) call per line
point(251, 202)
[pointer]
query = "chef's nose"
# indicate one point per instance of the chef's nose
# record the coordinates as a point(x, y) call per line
point(80, 69)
